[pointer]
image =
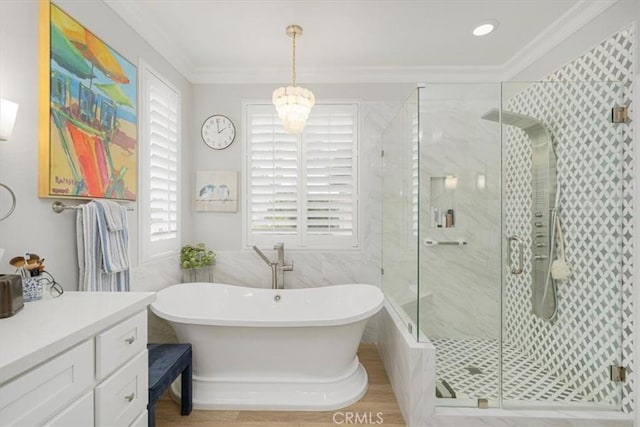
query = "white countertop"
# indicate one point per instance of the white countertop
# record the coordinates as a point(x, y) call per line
point(49, 326)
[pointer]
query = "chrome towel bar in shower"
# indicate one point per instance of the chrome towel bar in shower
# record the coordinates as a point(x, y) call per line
point(432, 242)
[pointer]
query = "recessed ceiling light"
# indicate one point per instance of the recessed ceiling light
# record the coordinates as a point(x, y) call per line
point(485, 28)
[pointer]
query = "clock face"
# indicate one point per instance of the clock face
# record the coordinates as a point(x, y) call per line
point(218, 132)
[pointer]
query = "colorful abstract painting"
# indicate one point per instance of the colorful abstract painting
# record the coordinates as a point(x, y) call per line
point(92, 123)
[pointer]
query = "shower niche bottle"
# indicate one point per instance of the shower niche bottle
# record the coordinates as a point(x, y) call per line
point(442, 201)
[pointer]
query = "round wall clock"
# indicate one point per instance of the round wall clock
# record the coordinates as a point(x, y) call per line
point(218, 132)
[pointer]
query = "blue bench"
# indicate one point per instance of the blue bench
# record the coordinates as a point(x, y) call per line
point(166, 362)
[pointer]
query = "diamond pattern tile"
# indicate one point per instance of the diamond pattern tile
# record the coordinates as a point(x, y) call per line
point(523, 378)
point(593, 326)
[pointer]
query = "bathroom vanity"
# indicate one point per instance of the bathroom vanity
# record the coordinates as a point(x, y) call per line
point(76, 360)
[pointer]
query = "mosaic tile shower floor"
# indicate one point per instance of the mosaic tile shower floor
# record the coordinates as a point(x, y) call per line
point(458, 363)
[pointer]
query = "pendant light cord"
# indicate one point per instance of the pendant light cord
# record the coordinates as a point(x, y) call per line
point(294, 59)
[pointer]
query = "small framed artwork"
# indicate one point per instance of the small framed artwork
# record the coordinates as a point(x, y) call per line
point(217, 191)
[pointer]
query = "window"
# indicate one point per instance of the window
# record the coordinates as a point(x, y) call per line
point(159, 154)
point(302, 189)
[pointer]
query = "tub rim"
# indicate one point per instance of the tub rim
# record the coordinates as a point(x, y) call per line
point(288, 323)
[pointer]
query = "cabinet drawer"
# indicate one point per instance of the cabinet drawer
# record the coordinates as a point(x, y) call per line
point(34, 397)
point(120, 343)
point(141, 421)
point(79, 414)
point(124, 395)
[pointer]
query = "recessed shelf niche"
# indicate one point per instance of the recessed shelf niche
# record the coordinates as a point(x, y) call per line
point(442, 213)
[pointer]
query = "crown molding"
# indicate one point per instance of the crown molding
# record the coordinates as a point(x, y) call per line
point(583, 12)
point(400, 74)
point(562, 28)
point(130, 12)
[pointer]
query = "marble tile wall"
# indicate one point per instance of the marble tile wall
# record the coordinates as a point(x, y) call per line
point(410, 366)
point(399, 209)
point(454, 281)
point(462, 283)
point(315, 269)
point(152, 277)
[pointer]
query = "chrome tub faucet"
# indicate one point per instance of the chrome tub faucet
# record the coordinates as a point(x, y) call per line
point(277, 265)
point(283, 265)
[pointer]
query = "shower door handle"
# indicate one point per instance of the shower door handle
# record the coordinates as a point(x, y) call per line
point(520, 266)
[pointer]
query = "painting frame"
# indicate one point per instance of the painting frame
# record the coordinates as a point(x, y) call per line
point(87, 113)
point(216, 191)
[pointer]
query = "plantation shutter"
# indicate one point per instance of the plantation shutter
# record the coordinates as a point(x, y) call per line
point(273, 174)
point(302, 189)
point(331, 160)
point(163, 164)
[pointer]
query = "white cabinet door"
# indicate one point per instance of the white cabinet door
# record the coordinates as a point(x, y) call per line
point(124, 395)
point(31, 399)
point(141, 421)
point(120, 343)
point(79, 414)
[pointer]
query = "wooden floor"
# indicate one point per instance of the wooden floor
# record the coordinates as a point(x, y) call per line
point(379, 398)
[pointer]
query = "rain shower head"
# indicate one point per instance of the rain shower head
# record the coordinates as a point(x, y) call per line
point(513, 119)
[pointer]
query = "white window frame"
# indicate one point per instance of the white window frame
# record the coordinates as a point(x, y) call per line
point(150, 251)
point(301, 242)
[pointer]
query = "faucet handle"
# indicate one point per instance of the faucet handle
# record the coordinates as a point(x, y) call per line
point(287, 267)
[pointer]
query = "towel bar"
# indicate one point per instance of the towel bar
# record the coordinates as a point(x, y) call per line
point(58, 207)
point(432, 242)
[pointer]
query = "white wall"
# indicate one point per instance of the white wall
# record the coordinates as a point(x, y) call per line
point(34, 227)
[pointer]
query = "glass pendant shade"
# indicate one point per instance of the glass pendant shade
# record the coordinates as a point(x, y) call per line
point(293, 104)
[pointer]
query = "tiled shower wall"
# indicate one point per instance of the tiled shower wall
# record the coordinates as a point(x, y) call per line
point(460, 284)
point(594, 159)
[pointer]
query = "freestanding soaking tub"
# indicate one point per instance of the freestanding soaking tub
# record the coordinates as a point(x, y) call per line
point(288, 349)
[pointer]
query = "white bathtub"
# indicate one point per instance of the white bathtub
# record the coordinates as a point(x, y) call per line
point(291, 349)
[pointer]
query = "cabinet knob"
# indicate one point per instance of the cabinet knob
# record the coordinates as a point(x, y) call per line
point(130, 340)
point(130, 397)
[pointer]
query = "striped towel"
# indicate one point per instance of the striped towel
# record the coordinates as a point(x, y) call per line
point(103, 239)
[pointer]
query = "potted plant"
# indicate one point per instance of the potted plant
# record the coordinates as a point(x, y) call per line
point(197, 263)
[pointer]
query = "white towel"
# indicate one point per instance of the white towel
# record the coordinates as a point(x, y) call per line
point(103, 255)
point(114, 214)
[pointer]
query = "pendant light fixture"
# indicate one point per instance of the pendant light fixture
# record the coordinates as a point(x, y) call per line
point(293, 103)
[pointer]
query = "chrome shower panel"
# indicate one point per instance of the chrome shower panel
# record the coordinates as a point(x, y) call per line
point(544, 187)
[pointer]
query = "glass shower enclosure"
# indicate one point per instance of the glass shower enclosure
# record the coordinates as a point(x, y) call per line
point(502, 239)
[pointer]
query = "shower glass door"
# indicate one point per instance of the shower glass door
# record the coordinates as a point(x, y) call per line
point(399, 214)
point(562, 236)
point(459, 239)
